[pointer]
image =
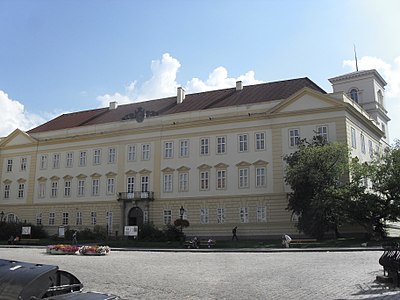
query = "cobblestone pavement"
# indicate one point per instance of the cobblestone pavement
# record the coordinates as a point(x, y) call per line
point(223, 275)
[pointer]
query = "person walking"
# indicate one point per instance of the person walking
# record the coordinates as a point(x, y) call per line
point(74, 239)
point(234, 236)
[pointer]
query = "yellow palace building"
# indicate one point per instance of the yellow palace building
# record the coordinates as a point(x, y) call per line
point(216, 154)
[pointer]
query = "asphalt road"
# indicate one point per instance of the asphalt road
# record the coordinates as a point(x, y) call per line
point(222, 275)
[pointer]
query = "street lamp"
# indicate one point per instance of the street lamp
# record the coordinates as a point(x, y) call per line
point(2, 215)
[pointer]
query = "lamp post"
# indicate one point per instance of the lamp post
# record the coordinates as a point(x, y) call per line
point(2, 215)
point(181, 211)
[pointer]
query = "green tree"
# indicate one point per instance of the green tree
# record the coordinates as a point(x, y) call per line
point(313, 172)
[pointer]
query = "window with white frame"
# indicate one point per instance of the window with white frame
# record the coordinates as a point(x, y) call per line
point(322, 131)
point(67, 188)
point(244, 215)
point(146, 152)
point(54, 189)
point(167, 216)
point(93, 218)
point(24, 162)
point(56, 160)
point(261, 214)
point(362, 143)
point(353, 138)
point(39, 218)
point(204, 146)
point(110, 186)
point(97, 156)
point(82, 158)
point(184, 148)
point(112, 155)
point(294, 137)
point(183, 181)
point(146, 217)
point(69, 159)
point(81, 187)
point(221, 144)
point(6, 191)
point(220, 215)
point(65, 217)
point(144, 184)
point(221, 179)
point(95, 186)
point(243, 178)
point(203, 215)
point(260, 140)
point(21, 190)
point(43, 162)
point(52, 217)
point(167, 183)
point(370, 149)
point(109, 222)
point(42, 189)
point(243, 142)
point(131, 152)
point(130, 184)
point(354, 95)
point(9, 165)
point(261, 176)
point(204, 180)
point(168, 149)
point(78, 220)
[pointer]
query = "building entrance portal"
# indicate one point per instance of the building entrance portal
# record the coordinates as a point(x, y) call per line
point(135, 217)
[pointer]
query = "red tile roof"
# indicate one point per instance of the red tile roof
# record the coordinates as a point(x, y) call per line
point(199, 101)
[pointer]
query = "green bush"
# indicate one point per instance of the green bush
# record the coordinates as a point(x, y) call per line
point(172, 233)
point(150, 233)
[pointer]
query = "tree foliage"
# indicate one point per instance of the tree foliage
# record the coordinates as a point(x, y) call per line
point(314, 172)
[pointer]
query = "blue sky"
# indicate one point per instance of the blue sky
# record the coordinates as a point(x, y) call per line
point(63, 56)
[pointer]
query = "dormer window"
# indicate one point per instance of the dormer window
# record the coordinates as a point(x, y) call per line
point(354, 95)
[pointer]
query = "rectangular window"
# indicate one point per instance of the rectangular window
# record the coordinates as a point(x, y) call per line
point(220, 215)
point(203, 215)
point(95, 187)
point(131, 152)
point(261, 177)
point(52, 218)
point(204, 180)
point(42, 189)
point(6, 191)
point(78, 218)
point(370, 149)
point(56, 161)
point(261, 214)
point(243, 178)
point(168, 149)
point(69, 160)
point(362, 143)
point(93, 218)
point(204, 146)
point(243, 143)
point(144, 183)
point(167, 216)
point(43, 162)
point(21, 190)
point(322, 131)
point(221, 145)
point(67, 188)
point(54, 189)
point(109, 222)
point(184, 148)
point(183, 182)
point(97, 156)
point(294, 137)
point(221, 179)
point(244, 215)
point(81, 188)
point(112, 155)
point(167, 183)
point(130, 184)
point(65, 218)
point(82, 158)
point(353, 138)
point(39, 219)
point(24, 162)
point(146, 152)
point(260, 140)
point(110, 186)
point(9, 165)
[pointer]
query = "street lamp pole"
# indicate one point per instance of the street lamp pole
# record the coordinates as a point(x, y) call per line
point(2, 215)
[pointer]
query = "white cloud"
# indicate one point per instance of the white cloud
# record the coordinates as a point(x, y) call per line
point(391, 74)
point(14, 116)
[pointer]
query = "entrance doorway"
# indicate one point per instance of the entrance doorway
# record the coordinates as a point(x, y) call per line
point(135, 217)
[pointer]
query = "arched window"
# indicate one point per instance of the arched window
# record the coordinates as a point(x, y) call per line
point(380, 97)
point(354, 95)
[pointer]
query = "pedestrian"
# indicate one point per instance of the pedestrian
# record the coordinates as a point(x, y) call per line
point(74, 239)
point(234, 236)
point(286, 240)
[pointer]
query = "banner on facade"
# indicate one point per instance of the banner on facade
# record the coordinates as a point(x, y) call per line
point(26, 230)
point(131, 231)
point(61, 231)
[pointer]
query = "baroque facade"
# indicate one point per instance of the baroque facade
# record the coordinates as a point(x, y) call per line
point(217, 154)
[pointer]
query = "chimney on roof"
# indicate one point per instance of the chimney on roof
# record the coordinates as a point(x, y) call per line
point(180, 95)
point(239, 85)
point(113, 105)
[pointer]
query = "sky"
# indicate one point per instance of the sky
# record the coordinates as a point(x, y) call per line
point(60, 56)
